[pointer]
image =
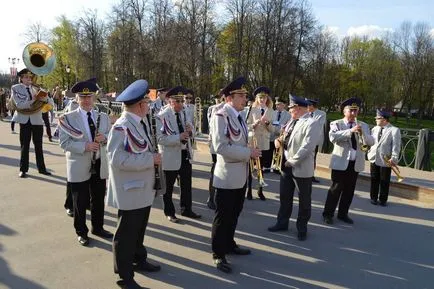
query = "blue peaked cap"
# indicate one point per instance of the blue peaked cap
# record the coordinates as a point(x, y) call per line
point(383, 114)
point(297, 101)
point(261, 89)
point(135, 92)
point(352, 103)
point(85, 87)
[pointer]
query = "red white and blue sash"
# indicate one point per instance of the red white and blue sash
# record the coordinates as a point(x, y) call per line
point(69, 129)
point(166, 128)
point(132, 143)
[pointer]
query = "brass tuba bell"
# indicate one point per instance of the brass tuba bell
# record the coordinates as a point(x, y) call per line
point(39, 58)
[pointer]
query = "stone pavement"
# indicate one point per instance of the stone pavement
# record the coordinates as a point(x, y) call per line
point(387, 247)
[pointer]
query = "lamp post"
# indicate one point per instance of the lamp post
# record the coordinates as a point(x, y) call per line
point(68, 72)
point(116, 83)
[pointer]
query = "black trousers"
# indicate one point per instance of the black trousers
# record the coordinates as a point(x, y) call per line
point(68, 202)
point(267, 157)
point(127, 244)
point(46, 118)
point(341, 190)
point(31, 132)
point(211, 177)
point(288, 184)
point(380, 181)
point(93, 190)
point(314, 159)
point(185, 183)
point(12, 125)
point(229, 205)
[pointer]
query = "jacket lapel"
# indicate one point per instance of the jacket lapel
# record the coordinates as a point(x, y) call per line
point(234, 120)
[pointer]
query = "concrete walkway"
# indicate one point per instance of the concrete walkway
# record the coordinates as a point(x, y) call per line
point(389, 247)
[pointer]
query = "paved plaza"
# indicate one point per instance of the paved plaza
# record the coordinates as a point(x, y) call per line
point(387, 247)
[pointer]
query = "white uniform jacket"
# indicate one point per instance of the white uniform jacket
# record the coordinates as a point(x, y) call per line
point(230, 143)
point(389, 145)
point(131, 169)
point(340, 136)
point(73, 138)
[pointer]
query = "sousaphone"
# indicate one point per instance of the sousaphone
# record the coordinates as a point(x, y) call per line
point(40, 60)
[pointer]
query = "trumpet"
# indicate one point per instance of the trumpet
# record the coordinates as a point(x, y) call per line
point(395, 169)
point(276, 164)
point(256, 169)
point(363, 146)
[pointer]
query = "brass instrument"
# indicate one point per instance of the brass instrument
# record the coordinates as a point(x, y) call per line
point(363, 146)
point(255, 167)
point(395, 169)
point(276, 164)
point(40, 60)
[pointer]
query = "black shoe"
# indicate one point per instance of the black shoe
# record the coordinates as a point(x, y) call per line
point(383, 204)
point(191, 214)
point(173, 219)
point(346, 219)
point(84, 241)
point(240, 251)
point(302, 236)
point(128, 284)
point(146, 266)
point(50, 139)
point(314, 180)
point(211, 205)
point(223, 265)
point(328, 220)
point(102, 233)
point(45, 172)
point(277, 228)
point(70, 212)
point(374, 202)
point(261, 195)
point(22, 175)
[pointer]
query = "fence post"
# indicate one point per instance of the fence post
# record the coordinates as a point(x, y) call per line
point(423, 161)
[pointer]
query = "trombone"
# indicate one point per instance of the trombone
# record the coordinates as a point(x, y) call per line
point(363, 146)
point(256, 169)
point(276, 164)
point(395, 169)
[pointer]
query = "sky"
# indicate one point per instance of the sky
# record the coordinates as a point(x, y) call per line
point(343, 17)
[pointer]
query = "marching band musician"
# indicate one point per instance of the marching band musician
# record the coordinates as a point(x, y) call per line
point(321, 117)
point(230, 141)
point(219, 103)
point(83, 136)
point(387, 144)
point(31, 125)
point(131, 182)
point(299, 140)
point(161, 100)
point(174, 133)
point(259, 124)
point(280, 119)
point(347, 160)
point(188, 106)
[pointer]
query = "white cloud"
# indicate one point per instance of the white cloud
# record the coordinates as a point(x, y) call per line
point(371, 31)
point(331, 29)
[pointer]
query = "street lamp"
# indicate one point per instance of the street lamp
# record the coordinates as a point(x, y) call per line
point(68, 72)
point(116, 83)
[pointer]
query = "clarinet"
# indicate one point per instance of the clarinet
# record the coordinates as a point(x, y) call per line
point(157, 184)
point(92, 167)
point(188, 143)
